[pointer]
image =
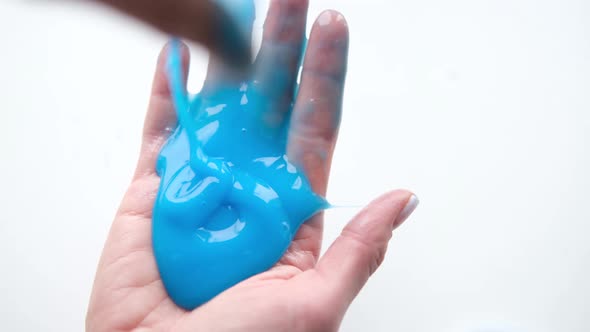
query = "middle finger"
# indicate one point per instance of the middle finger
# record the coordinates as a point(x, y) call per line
point(277, 64)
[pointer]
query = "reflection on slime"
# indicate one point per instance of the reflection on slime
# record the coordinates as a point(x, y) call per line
point(230, 201)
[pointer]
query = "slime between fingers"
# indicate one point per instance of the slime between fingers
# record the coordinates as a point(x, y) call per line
point(230, 201)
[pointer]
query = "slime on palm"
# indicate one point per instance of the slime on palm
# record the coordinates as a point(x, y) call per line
point(230, 201)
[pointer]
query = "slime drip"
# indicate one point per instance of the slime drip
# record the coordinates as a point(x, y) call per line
point(230, 201)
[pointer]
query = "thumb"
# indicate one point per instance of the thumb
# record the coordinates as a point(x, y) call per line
point(360, 249)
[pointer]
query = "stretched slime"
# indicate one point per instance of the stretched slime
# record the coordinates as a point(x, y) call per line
point(230, 201)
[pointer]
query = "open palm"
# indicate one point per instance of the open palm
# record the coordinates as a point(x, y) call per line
point(302, 292)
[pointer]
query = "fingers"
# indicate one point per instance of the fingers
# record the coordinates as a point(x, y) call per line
point(359, 250)
point(160, 119)
point(219, 74)
point(317, 112)
point(178, 18)
point(278, 61)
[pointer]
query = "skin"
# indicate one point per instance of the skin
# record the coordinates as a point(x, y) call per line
point(194, 20)
point(303, 292)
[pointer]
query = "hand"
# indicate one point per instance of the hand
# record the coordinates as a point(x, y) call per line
point(302, 292)
point(203, 21)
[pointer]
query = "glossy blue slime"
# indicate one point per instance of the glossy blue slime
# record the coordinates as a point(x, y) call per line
point(230, 201)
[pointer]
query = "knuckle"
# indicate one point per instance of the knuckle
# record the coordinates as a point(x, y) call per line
point(371, 253)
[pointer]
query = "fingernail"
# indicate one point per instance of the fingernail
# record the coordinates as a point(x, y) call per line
point(325, 18)
point(408, 209)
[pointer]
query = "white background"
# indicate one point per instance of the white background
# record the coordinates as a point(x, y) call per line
point(481, 107)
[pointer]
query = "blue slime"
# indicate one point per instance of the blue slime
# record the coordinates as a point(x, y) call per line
point(230, 201)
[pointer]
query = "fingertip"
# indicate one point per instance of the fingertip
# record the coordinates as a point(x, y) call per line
point(165, 51)
point(332, 25)
point(409, 208)
point(185, 54)
point(397, 204)
point(284, 18)
point(394, 195)
point(327, 51)
point(330, 32)
point(160, 85)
